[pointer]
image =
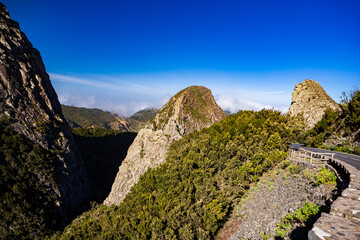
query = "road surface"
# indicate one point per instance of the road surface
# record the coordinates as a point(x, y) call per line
point(353, 160)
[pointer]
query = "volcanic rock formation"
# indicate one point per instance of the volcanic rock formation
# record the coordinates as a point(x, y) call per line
point(27, 97)
point(311, 100)
point(191, 109)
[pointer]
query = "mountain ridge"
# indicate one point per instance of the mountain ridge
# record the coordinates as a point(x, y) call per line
point(97, 118)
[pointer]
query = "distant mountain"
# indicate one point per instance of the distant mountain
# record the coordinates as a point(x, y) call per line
point(43, 178)
point(97, 118)
point(145, 115)
point(227, 112)
point(310, 100)
point(94, 118)
point(191, 109)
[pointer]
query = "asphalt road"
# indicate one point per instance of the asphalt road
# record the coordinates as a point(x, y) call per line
point(353, 160)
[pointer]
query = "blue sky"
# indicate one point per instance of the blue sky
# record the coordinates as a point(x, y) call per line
point(126, 55)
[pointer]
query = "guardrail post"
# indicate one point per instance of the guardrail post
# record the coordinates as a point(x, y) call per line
point(304, 156)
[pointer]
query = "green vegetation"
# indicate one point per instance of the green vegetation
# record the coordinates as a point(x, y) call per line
point(302, 215)
point(325, 176)
point(27, 198)
point(95, 132)
point(205, 175)
point(96, 118)
point(86, 118)
point(144, 115)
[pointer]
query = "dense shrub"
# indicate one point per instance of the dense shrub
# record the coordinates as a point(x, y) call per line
point(27, 198)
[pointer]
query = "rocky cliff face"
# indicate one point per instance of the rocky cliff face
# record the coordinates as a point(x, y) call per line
point(27, 96)
point(191, 109)
point(311, 100)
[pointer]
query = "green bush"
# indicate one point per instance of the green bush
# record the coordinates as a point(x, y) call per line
point(302, 215)
point(325, 176)
point(294, 169)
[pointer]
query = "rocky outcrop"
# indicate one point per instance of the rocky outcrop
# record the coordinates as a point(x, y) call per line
point(27, 96)
point(310, 100)
point(191, 109)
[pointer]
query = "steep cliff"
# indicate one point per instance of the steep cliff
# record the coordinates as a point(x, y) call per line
point(311, 100)
point(191, 109)
point(29, 100)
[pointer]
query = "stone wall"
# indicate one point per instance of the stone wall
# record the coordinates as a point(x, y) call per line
point(343, 221)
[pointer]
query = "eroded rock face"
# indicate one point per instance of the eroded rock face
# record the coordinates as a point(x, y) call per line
point(27, 96)
point(191, 109)
point(311, 100)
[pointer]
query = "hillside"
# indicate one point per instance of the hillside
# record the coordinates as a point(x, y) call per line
point(94, 118)
point(97, 118)
point(43, 178)
point(205, 174)
point(145, 115)
point(191, 109)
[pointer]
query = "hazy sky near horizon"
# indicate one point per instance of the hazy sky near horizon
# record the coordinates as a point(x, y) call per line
point(126, 55)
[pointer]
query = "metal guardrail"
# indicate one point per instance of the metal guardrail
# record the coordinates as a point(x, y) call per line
point(304, 155)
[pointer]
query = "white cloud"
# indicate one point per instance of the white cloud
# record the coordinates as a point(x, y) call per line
point(123, 109)
point(271, 93)
point(127, 93)
point(109, 83)
point(78, 100)
point(234, 103)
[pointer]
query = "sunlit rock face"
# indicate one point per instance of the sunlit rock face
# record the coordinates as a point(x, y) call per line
point(191, 109)
point(310, 100)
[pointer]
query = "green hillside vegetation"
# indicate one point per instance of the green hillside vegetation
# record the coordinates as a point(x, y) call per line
point(103, 150)
point(86, 118)
point(144, 115)
point(97, 118)
point(339, 125)
point(26, 179)
point(205, 175)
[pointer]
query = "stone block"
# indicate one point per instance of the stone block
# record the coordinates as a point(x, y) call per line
point(334, 227)
point(347, 208)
